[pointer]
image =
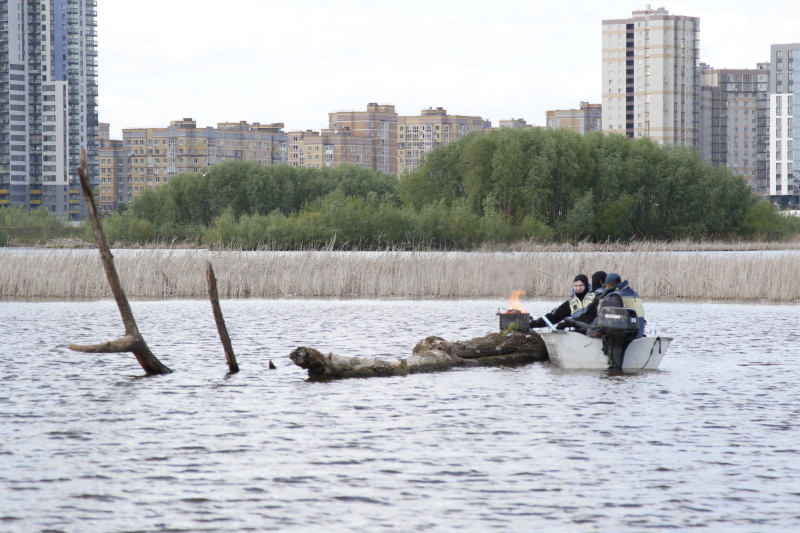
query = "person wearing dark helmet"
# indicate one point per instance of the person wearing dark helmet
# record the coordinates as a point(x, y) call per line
point(581, 297)
point(619, 293)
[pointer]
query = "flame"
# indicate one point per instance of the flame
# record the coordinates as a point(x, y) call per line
point(514, 304)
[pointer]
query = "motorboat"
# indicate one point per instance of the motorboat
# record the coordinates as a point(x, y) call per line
point(616, 342)
point(574, 350)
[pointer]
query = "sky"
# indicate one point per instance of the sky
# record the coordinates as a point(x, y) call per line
point(295, 61)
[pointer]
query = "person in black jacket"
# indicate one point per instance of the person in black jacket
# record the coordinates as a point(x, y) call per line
point(598, 281)
point(581, 297)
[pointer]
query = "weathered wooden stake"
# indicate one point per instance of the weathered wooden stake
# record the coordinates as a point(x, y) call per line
point(230, 357)
point(132, 341)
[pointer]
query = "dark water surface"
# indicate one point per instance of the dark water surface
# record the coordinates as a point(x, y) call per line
point(710, 441)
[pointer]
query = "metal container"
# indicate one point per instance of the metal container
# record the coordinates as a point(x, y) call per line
point(522, 320)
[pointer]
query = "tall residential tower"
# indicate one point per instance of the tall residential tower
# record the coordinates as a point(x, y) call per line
point(734, 131)
point(651, 82)
point(48, 102)
point(784, 179)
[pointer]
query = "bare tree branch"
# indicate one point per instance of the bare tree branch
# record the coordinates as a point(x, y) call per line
point(139, 348)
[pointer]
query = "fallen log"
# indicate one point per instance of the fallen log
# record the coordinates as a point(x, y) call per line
point(429, 355)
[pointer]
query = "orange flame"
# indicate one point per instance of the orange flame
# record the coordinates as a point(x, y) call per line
point(514, 304)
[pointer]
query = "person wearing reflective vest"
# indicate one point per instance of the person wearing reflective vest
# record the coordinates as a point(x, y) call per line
point(581, 297)
point(619, 293)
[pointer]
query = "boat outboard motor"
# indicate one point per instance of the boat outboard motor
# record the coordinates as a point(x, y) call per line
point(618, 326)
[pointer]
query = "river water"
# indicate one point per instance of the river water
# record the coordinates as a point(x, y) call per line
point(87, 444)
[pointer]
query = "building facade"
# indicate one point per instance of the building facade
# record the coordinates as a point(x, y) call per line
point(514, 123)
point(155, 155)
point(112, 164)
point(784, 180)
point(587, 119)
point(433, 127)
point(48, 103)
point(651, 80)
point(329, 148)
point(734, 125)
point(378, 125)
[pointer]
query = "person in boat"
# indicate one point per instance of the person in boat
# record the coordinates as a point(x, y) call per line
point(582, 296)
point(616, 293)
point(598, 281)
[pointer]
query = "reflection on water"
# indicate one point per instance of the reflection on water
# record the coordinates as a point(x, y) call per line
point(87, 444)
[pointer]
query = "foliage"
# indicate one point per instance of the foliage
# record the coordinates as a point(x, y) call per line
point(491, 187)
point(37, 225)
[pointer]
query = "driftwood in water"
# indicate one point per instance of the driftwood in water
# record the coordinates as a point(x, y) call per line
point(132, 341)
point(430, 355)
point(230, 357)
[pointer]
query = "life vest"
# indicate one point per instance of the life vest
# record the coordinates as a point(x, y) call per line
point(630, 300)
point(576, 304)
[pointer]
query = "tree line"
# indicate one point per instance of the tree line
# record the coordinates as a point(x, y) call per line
point(500, 186)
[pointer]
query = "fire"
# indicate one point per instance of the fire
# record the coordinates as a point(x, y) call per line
point(514, 305)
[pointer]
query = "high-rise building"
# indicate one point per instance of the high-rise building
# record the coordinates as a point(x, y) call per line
point(584, 120)
point(433, 127)
point(48, 103)
point(784, 180)
point(651, 80)
point(734, 123)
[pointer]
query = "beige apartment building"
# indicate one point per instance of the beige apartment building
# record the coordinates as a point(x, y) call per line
point(377, 125)
point(515, 123)
point(366, 139)
point(155, 155)
point(111, 170)
point(586, 119)
point(651, 79)
point(432, 128)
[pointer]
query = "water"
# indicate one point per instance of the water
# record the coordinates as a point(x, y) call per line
point(87, 444)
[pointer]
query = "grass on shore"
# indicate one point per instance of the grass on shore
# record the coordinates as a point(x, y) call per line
point(78, 274)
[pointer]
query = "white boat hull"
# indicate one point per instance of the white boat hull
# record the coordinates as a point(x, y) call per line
point(572, 350)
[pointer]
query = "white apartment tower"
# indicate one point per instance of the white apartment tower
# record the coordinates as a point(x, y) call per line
point(48, 102)
point(651, 81)
point(784, 180)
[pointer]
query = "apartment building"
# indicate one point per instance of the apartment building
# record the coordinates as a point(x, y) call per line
point(514, 123)
point(651, 79)
point(734, 125)
point(586, 119)
point(784, 180)
point(155, 155)
point(48, 103)
point(112, 186)
point(376, 125)
point(329, 148)
point(433, 127)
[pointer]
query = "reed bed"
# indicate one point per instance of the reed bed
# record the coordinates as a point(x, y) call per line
point(78, 274)
point(685, 245)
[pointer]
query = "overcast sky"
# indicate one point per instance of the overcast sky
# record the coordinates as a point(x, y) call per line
point(295, 61)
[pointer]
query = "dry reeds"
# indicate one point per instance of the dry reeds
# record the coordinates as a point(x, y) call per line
point(78, 274)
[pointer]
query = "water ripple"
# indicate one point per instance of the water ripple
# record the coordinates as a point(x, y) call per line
point(709, 441)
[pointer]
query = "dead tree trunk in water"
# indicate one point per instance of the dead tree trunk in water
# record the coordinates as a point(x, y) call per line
point(132, 341)
point(230, 357)
point(430, 355)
